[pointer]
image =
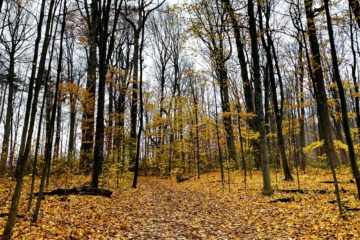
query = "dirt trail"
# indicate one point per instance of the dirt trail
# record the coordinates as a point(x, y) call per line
point(169, 211)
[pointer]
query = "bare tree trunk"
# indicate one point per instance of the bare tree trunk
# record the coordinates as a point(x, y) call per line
point(321, 98)
point(50, 127)
point(278, 112)
point(88, 119)
point(355, 6)
point(25, 147)
point(264, 154)
point(354, 72)
point(344, 110)
point(248, 90)
point(9, 116)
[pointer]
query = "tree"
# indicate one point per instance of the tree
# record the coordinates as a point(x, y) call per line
point(210, 27)
point(143, 10)
point(344, 109)
point(88, 121)
point(320, 95)
point(267, 190)
point(51, 123)
point(270, 55)
point(355, 6)
point(240, 47)
point(30, 113)
point(14, 42)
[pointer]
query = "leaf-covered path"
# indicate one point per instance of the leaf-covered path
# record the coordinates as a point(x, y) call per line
point(168, 211)
point(196, 209)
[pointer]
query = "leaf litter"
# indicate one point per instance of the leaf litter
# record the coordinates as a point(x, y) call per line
point(194, 209)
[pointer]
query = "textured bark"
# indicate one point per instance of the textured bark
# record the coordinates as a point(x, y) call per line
point(320, 95)
point(102, 27)
point(344, 110)
point(267, 45)
point(9, 116)
point(51, 125)
point(248, 90)
point(87, 123)
point(260, 118)
point(29, 118)
point(134, 100)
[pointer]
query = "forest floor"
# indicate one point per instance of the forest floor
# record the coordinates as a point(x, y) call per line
point(194, 209)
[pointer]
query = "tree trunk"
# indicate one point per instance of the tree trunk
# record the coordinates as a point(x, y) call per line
point(9, 116)
point(278, 112)
point(302, 108)
point(264, 155)
point(248, 91)
point(355, 6)
point(102, 27)
point(320, 95)
point(353, 74)
point(50, 127)
point(344, 111)
point(25, 145)
point(87, 125)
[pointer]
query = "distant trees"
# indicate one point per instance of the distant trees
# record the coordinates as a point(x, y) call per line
point(180, 89)
point(209, 25)
point(14, 40)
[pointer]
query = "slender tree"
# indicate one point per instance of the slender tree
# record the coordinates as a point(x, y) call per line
point(267, 190)
point(30, 113)
point(320, 95)
point(268, 46)
point(344, 109)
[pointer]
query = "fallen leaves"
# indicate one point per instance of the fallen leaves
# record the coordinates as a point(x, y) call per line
point(197, 209)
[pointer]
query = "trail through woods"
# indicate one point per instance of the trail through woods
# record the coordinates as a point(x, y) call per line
point(195, 209)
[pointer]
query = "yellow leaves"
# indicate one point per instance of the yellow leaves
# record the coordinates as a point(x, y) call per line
point(312, 146)
point(317, 144)
point(354, 94)
point(331, 102)
point(316, 227)
point(253, 136)
point(70, 88)
point(197, 208)
point(340, 145)
point(228, 114)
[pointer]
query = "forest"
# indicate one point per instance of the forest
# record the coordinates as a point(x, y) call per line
point(179, 119)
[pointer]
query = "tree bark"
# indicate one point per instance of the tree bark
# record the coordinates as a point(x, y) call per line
point(88, 119)
point(9, 116)
point(320, 95)
point(344, 110)
point(24, 146)
point(267, 45)
point(260, 118)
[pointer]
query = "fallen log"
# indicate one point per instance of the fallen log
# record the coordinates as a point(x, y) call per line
point(6, 214)
point(287, 199)
point(183, 177)
point(347, 208)
point(351, 209)
point(84, 190)
point(329, 182)
point(321, 191)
